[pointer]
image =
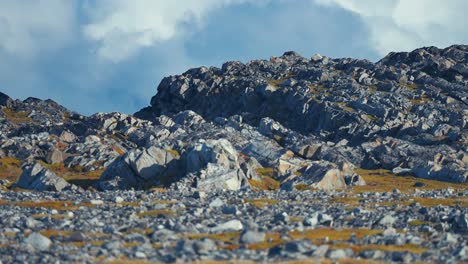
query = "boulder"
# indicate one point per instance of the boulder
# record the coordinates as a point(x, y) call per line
point(55, 157)
point(320, 174)
point(37, 178)
point(219, 152)
point(141, 168)
point(216, 166)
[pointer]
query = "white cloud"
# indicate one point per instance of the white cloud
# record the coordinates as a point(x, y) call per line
point(396, 25)
point(123, 27)
point(30, 26)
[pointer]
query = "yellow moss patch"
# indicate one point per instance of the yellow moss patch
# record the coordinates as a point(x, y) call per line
point(96, 243)
point(57, 216)
point(333, 234)
point(271, 240)
point(74, 173)
point(410, 86)
point(128, 261)
point(418, 223)
point(57, 205)
point(381, 180)
point(55, 233)
point(431, 202)
point(10, 169)
point(17, 118)
point(145, 231)
point(156, 213)
point(345, 107)
point(227, 237)
point(266, 184)
point(260, 203)
point(388, 248)
point(266, 172)
point(304, 187)
point(118, 150)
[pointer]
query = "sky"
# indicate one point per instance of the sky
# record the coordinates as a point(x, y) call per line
point(110, 55)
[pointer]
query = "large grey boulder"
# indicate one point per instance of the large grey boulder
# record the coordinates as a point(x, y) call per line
point(140, 169)
point(322, 175)
point(38, 241)
point(216, 164)
point(37, 178)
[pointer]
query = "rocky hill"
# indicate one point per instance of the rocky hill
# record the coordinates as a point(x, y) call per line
point(260, 140)
point(285, 122)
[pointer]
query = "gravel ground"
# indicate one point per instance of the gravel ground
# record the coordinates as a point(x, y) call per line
point(174, 226)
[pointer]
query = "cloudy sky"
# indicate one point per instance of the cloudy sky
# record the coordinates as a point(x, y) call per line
point(109, 55)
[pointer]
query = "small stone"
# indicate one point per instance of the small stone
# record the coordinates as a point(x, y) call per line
point(282, 217)
point(118, 199)
point(419, 184)
point(233, 225)
point(140, 255)
point(216, 203)
point(38, 241)
point(450, 238)
point(77, 237)
point(337, 254)
point(389, 232)
point(252, 237)
point(387, 220)
point(96, 202)
point(321, 251)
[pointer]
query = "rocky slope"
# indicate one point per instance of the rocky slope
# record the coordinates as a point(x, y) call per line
point(216, 141)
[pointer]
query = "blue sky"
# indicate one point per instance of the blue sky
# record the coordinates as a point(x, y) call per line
point(109, 55)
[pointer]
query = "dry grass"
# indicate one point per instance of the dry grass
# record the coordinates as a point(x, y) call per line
point(227, 237)
point(271, 240)
point(317, 89)
point(410, 86)
point(18, 118)
point(418, 223)
point(73, 174)
point(431, 202)
point(385, 181)
point(262, 202)
point(118, 150)
point(332, 234)
point(421, 100)
point(387, 248)
point(266, 184)
point(304, 187)
point(345, 107)
point(156, 213)
point(265, 172)
point(10, 169)
point(57, 205)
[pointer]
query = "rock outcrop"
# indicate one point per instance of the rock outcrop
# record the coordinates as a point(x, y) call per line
point(290, 121)
point(37, 178)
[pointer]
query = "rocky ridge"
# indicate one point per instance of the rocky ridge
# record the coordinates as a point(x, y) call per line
point(291, 125)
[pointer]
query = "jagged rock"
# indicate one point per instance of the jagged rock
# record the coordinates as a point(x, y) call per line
point(38, 241)
point(216, 164)
point(219, 152)
point(141, 168)
point(5, 100)
point(55, 157)
point(188, 118)
point(37, 178)
point(320, 175)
